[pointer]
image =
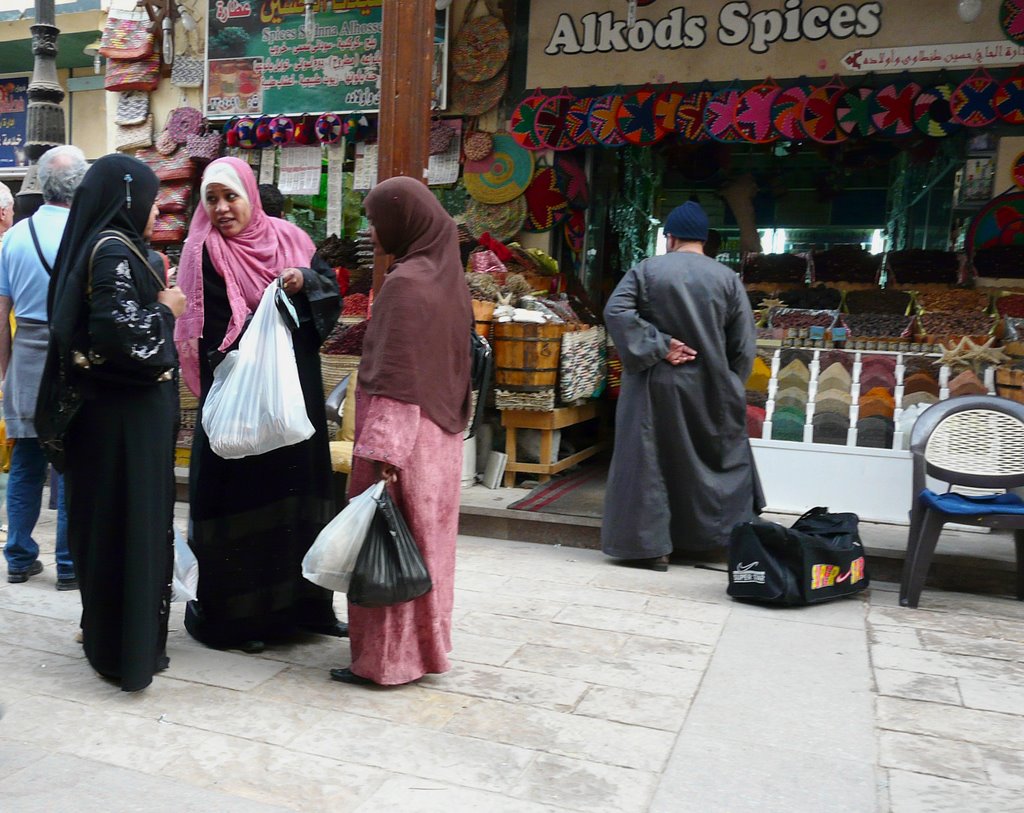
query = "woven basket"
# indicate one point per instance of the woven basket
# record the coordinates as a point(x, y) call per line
point(477, 145)
point(334, 368)
point(476, 98)
point(481, 47)
point(188, 417)
point(185, 398)
point(502, 221)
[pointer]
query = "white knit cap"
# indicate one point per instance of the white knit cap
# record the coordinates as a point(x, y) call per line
point(225, 175)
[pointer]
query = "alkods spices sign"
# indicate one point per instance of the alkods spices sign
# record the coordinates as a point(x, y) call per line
point(737, 24)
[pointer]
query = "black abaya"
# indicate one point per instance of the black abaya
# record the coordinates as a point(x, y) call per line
point(112, 426)
point(253, 519)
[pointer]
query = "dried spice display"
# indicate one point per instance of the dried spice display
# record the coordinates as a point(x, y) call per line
point(846, 264)
point(775, 268)
point(791, 318)
point(945, 323)
point(888, 325)
point(355, 305)
point(955, 299)
point(1000, 261)
point(817, 297)
point(1011, 305)
point(877, 301)
point(917, 265)
point(345, 340)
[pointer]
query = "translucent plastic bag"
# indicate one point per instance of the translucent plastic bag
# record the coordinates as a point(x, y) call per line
point(255, 404)
point(186, 570)
point(332, 557)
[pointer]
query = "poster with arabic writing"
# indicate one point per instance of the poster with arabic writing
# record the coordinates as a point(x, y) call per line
point(13, 118)
point(263, 58)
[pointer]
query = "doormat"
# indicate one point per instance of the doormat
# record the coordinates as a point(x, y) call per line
point(579, 494)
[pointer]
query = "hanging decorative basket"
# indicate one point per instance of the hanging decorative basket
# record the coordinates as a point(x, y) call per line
point(550, 122)
point(165, 144)
point(786, 110)
point(502, 221)
point(667, 105)
point(818, 113)
point(1009, 99)
point(572, 178)
point(690, 115)
point(1017, 171)
point(546, 206)
point(577, 122)
point(440, 137)
point(480, 49)
point(974, 101)
point(476, 98)
point(892, 108)
point(523, 124)
point(754, 112)
point(720, 115)
point(853, 112)
point(999, 223)
point(504, 174)
point(478, 145)
point(1011, 20)
point(636, 117)
point(329, 128)
point(933, 114)
point(604, 120)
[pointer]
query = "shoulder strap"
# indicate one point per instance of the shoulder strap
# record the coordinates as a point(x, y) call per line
point(39, 249)
point(106, 237)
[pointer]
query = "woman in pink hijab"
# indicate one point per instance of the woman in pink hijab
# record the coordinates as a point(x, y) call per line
point(253, 519)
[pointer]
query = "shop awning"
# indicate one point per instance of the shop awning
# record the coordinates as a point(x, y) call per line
point(77, 30)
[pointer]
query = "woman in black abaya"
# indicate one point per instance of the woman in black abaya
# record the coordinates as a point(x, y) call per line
point(108, 412)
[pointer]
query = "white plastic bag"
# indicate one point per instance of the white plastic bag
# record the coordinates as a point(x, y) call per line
point(255, 404)
point(331, 558)
point(186, 570)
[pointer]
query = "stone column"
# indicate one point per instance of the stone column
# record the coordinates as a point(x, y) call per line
point(45, 118)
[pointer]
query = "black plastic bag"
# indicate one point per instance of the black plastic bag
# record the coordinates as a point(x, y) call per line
point(389, 569)
point(820, 558)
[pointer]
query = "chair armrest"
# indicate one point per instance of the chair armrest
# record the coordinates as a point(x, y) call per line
point(336, 400)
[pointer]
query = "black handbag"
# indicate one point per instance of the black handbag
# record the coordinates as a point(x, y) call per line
point(481, 365)
point(389, 569)
point(818, 559)
point(88, 364)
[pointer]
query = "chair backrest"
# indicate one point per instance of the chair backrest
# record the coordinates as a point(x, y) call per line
point(971, 440)
point(335, 401)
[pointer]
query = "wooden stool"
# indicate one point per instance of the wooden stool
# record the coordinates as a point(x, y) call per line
point(546, 422)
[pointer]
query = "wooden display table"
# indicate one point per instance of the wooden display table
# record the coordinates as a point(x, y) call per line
point(546, 422)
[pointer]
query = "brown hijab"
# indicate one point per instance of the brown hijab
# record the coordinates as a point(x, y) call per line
point(417, 344)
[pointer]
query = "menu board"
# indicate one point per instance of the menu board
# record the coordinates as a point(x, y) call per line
point(13, 119)
point(263, 58)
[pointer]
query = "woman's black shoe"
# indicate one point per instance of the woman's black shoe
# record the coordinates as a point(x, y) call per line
point(253, 647)
point(346, 675)
point(337, 629)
